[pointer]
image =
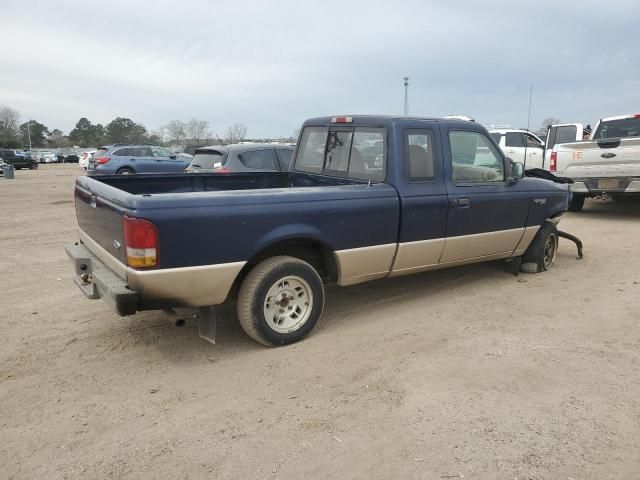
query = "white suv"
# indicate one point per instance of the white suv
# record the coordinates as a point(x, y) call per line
point(520, 146)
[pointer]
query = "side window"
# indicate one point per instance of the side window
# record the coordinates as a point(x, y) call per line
point(284, 155)
point(310, 156)
point(368, 155)
point(160, 152)
point(474, 158)
point(532, 142)
point(420, 151)
point(140, 152)
point(514, 139)
point(337, 157)
point(496, 137)
point(121, 152)
point(259, 159)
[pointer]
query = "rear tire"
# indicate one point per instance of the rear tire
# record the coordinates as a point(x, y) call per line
point(125, 171)
point(280, 301)
point(542, 252)
point(576, 203)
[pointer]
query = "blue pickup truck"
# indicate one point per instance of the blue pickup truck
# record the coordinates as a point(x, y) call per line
point(367, 197)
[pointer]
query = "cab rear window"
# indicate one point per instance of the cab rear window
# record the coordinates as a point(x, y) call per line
point(358, 153)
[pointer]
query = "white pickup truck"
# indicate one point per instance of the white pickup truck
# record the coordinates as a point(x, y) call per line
point(608, 163)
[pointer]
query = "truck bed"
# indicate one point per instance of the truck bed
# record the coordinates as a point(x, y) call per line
point(194, 212)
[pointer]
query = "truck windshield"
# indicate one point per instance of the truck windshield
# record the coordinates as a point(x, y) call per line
point(622, 128)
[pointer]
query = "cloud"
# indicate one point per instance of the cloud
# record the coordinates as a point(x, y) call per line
point(272, 64)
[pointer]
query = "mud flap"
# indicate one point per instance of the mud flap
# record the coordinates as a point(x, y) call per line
point(207, 324)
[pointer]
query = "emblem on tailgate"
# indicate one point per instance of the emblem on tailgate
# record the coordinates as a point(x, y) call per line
point(540, 201)
point(608, 155)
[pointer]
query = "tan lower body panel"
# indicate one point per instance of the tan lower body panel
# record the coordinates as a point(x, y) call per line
point(358, 265)
point(469, 247)
point(526, 239)
point(187, 286)
point(414, 257)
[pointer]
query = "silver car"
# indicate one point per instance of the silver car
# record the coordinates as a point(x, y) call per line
point(241, 157)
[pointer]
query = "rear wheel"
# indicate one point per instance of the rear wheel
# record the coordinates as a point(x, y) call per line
point(125, 171)
point(280, 301)
point(542, 252)
point(576, 203)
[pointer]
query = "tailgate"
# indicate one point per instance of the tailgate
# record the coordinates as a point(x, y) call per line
point(612, 157)
point(101, 220)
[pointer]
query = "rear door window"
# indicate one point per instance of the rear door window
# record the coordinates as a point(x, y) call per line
point(284, 155)
point(514, 139)
point(421, 154)
point(259, 159)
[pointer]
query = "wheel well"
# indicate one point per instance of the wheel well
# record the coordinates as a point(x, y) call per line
point(313, 252)
point(125, 168)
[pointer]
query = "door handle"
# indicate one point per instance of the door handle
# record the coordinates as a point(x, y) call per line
point(463, 202)
point(132, 159)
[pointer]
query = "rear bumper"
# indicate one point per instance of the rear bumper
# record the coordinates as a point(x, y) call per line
point(596, 186)
point(96, 281)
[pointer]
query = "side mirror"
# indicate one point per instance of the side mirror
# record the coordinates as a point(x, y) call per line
point(517, 170)
point(172, 156)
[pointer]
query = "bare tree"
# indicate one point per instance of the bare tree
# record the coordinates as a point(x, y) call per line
point(236, 133)
point(197, 130)
point(547, 122)
point(161, 133)
point(176, 131)
point(9, 123)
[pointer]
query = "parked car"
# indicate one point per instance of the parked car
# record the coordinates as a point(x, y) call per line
point(187, 150)
point(272, 239)
point(130, 159)
point(19, 161)
point(84, 159)
point(241, 157)
point(47, 157)
point(609, 163)
point(520, 146)
point(68, 157)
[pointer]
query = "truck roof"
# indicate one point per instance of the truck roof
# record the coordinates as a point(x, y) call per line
point(620, 117)
point(369, 120)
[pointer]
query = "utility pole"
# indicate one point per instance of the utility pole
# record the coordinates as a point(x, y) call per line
point(29, 133)
point(406, 96)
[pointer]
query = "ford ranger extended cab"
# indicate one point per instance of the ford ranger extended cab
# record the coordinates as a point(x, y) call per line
point(609, 163)
point(367, 197)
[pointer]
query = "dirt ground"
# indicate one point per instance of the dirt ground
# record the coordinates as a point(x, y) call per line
point(463, 373)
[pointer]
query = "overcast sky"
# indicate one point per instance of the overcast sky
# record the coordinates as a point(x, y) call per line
point(272, 64)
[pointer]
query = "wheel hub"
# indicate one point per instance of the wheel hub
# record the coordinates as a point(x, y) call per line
point(288, 304)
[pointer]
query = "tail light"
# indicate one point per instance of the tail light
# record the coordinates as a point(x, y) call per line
point(222, 170)
point(141, 242)
point(102, 160)
point(553, 162)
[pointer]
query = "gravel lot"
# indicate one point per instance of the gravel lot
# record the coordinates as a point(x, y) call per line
point(464, 373)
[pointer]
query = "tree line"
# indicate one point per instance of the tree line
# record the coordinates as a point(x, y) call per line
point(14, 134)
